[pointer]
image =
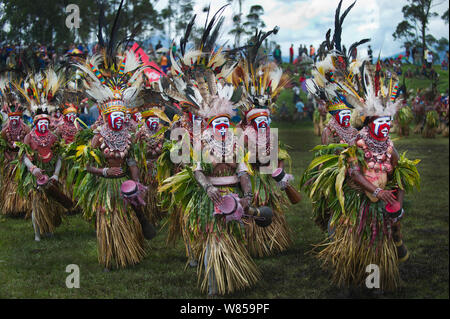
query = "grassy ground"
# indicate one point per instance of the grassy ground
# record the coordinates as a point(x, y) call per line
point(37, 270)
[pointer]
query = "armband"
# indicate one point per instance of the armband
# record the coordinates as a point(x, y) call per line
point(376, 192)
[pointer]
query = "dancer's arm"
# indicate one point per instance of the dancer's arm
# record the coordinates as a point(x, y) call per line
point(213, 192)
point(362, 181)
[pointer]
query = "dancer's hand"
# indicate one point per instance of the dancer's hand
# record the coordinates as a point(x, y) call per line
point(37, 173)
point(245, 203)
point(114, 171)
point(386, 196)
point(214, 195)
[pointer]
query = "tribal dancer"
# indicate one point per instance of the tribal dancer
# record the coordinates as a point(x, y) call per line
point(113, 82)
point(365, 184)
point(363, 187)
point(15, 130)
point(217, 192)
point(332, 78)
point(151, 139)
point(42, 158)
point(69, 127)
point(261, 85)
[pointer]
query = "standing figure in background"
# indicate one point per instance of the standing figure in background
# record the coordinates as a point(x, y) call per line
point(14, 130)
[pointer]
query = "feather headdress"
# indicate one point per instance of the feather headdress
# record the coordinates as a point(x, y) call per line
point(41, 91)
point(11, 103)
point(115, 85)
point(336, 77)
point(260, 81)
point(201, 78)
point(380, 91)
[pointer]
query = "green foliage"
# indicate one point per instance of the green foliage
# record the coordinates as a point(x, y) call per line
point(44, 22)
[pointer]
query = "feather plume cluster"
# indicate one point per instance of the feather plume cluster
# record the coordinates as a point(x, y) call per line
point(201, 77)
point(8, 96)
point(41, 91)
point(380, 92)
point(119, 80)
point(261, 85)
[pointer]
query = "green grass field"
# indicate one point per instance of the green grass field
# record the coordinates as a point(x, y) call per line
point(37, 270)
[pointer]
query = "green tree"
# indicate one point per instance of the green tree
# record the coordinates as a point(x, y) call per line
point(417, 15)
point(254, 21)
point(238, 28)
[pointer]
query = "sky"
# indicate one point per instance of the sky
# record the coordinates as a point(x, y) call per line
point(307, 21)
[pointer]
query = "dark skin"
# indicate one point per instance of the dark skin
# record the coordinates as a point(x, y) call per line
point(214, 193)
point(114, 165)
point(384, 195)
point(10, 154)
point(327, 136)
point(35, 147)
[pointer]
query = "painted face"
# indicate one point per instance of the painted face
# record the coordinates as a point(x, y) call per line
point(220, 125)
point(343, 117)
point(261, 123)
point(116, 120)
point(380, 127)
point(14, 120)
point(42, 126)
point(70, 117)
point(152, 123)
point(137, 117)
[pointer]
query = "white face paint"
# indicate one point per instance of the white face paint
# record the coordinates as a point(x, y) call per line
point(71, 117)
point(14, 120)
point(220, 125)
point(116, 120)
point(344, 117)
point(261, 123)
point(381, 126)
point(42, 125)
point(137, 117)
point(153, 123)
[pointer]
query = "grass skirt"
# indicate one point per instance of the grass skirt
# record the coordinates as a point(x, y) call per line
point(221, 245)
point(120, 241)
point(266, 241)
point(48, 214)
point(351, 248)
point(152, 209)
point(11, 202)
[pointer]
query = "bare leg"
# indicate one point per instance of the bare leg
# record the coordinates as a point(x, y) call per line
point(192, 261)
point(212, 286)
point(37, 235)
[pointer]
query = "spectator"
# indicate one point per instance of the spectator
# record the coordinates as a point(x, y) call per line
point(414, 54)
point(429, 59)
point(312, 51)
point(296, 91)
point(158, 46)
point(291, 54)
point(277, 54)
point(300, 110)
point(164, 63)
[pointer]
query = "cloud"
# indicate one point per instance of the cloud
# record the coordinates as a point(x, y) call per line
point(307, 21)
